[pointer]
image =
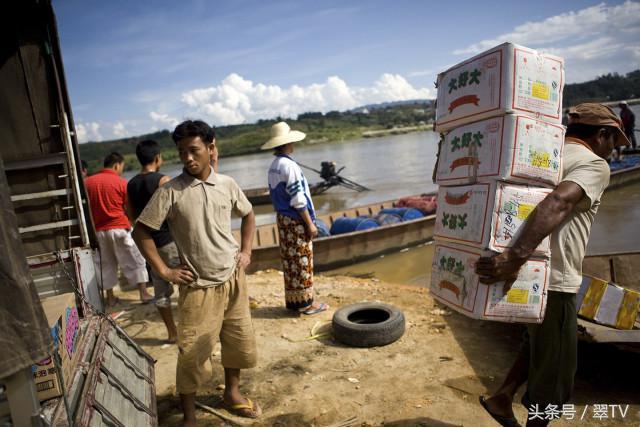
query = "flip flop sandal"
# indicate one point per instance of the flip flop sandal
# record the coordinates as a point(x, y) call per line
point(503, 421)
point(322, 307)
point(246, 410)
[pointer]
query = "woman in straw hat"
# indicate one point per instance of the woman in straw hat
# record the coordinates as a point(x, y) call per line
point(291, 199)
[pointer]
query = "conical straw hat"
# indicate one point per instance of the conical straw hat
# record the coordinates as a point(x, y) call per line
point(282, 134)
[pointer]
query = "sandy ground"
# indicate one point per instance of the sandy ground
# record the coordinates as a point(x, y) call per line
point(432, 376)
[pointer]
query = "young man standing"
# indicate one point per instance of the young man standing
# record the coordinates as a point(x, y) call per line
point(140, 189)
point(548, 360)
point(213, 301)
point(107, 193)
point(629, 122)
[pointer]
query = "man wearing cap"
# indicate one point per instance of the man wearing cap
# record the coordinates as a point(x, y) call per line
point(629, 122)
point(548, 358)
point(291, 198)
point(213, 302)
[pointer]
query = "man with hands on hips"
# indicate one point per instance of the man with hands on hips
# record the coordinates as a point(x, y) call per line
point(213, 302)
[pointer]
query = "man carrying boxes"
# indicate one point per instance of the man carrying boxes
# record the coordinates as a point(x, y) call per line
point(506, 250)
point(549, 357)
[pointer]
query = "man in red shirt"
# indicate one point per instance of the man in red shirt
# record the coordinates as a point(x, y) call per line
point(107, 192)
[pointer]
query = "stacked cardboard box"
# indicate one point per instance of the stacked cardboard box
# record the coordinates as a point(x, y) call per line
point(62, 315)
point(500, 152)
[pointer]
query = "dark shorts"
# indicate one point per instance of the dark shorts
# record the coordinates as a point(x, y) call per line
point(552, 347)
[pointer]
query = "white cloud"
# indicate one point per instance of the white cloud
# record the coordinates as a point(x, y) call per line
point(595, 40)
point(119, 130)
point(88, 132)
point(238, 100)
point(164, 119)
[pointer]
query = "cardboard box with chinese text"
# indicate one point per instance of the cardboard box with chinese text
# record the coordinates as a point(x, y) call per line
point(506, 79)
point(513, 148)
point(487, 215)
point(455, 284)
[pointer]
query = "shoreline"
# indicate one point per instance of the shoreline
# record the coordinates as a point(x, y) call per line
point(433, 375)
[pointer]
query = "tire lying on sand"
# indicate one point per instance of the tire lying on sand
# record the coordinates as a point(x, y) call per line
point(368, 324)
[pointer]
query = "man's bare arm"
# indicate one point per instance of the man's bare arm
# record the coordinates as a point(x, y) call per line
point(128, 210)
point(545, 218)
point(247, 230)
point(180, 275)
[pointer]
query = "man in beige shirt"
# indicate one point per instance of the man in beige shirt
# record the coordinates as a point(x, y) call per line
point(213, 301)
point(548, 360)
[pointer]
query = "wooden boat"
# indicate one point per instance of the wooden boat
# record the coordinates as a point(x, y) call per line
point(330, 178)
point(260, 196)
point(336, 251)
point(623, 177)
point(343, 249)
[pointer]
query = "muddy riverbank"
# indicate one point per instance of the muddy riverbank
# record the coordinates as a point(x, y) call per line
point(432, 376)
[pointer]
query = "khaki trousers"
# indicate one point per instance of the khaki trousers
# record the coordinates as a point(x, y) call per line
point(206, 315)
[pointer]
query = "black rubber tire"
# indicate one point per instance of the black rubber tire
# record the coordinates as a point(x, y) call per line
point(368, 324)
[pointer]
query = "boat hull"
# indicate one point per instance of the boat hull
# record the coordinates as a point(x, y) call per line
point(344, 249)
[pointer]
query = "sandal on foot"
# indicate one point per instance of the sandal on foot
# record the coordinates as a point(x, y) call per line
point(314, 310)
point(502, 420)
point(249, 409)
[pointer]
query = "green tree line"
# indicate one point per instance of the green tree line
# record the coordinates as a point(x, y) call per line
point(609, 87)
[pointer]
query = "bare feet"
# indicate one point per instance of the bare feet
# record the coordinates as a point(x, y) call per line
point(112, 300)
point(173, 338)
point(145, 297)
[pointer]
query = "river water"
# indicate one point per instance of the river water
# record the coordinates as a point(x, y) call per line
point(402, 165)
point(392, 167)
point(616, 229)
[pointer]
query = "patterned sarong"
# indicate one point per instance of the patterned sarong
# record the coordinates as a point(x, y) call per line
point(296, 252)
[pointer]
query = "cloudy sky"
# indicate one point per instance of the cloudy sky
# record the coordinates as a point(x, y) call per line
point(137, 66)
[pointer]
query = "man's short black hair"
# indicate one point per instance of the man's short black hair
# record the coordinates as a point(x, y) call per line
point(112, 159)
point(192, 129)
point(146, 151)
point(584, 132)
point(84, 165)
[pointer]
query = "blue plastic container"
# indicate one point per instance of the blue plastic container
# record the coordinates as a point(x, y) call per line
point(407, 214)
point(347, 225)
point(387, 218)
point(323, 228)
